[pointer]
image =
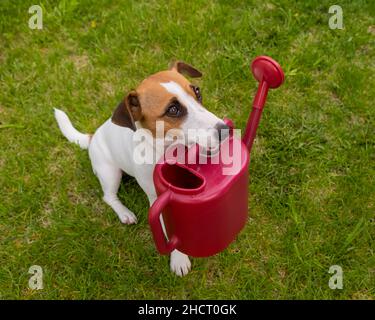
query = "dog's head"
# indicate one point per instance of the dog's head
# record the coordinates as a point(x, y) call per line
point(169, 97)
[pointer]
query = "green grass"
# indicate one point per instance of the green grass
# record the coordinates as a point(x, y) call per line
point(312, 188)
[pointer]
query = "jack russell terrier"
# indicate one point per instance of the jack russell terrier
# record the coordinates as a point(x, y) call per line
point(165, 96)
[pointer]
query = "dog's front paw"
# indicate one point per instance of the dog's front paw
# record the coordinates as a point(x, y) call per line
point(180, 263)
point(124, 214)
point(127, 217)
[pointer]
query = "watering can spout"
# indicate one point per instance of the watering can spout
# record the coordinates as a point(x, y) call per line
point(270, 75)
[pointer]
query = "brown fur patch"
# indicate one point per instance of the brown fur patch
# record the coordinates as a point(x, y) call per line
point(123, 117)
point(185, 68)
point(154, 99)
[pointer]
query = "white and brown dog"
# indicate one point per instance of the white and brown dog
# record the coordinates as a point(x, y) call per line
point(165, 96)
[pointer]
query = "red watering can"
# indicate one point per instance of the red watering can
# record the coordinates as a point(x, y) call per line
point(204, 209)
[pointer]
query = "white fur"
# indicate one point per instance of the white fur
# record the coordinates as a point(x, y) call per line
point(69, 131)
point(111, 151)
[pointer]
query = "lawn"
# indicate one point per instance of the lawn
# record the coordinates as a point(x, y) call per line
point(312, 189)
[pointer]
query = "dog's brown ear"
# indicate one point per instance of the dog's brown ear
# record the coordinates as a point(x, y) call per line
point(128, 111)
point(184, 68)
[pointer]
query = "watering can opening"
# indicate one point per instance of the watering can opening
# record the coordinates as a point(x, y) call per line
point(182, 179)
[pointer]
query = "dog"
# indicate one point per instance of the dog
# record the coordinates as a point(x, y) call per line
point(166, 96)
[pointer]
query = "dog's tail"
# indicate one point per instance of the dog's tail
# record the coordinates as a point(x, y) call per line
point(71, 133)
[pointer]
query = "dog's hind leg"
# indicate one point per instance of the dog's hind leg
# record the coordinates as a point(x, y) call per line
point(110, 178)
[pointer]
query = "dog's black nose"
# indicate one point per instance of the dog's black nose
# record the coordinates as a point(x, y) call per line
point(223, 131)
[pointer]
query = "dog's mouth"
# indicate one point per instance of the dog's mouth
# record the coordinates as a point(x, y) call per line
point(209, 151)
point(209, 141)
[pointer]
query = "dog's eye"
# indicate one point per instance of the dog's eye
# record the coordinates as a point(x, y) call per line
point(197, 92)
point(174, 110)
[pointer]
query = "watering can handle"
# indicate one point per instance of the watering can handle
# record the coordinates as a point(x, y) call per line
point(163, 246)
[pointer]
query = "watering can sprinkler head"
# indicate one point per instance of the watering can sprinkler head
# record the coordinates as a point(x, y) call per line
point(269, 75)
point(266, 69)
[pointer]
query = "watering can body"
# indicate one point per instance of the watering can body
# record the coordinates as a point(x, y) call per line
point(203, 208)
